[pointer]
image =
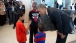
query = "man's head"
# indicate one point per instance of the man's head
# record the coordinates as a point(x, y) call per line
point(41, 27)
point(20, 2)
point(42, 9)
point(34, 5)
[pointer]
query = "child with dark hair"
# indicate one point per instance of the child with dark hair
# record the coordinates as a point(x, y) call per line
point(40, 37)
point(21, 30)
point(34, 18)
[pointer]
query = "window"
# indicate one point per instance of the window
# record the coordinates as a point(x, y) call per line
point(43, 0)
point(59, 2)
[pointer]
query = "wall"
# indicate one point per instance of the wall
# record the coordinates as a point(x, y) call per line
point(27, 4)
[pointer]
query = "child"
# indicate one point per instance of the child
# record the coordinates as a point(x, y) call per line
point(41, 35)
point(34, 18)
point(21, 31)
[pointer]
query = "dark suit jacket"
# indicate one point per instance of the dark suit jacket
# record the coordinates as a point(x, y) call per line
point(75, 21)
point(67, 11)
point(22, 9)
point(60, 20)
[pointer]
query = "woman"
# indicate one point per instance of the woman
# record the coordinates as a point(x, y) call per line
point(12, 12)
point(2, 14)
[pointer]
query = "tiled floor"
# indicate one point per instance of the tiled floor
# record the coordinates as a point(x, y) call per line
point(7, 35)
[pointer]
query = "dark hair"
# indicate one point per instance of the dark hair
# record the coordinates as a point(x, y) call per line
point(34, 3)
point(20, 14)
point(41, 27)
point(41, 6)
point(12, 3)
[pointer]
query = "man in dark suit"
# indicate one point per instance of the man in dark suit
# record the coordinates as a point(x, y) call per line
point(60, 20)
point(19, 8)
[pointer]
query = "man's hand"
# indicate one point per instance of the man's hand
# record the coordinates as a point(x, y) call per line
point(28, 26)
point(62, 35)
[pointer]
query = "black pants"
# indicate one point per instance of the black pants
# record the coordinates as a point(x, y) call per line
point(2, 19)
point(60, 40)
point(33, 31)
point(16, 19)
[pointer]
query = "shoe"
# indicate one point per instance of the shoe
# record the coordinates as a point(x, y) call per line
point(1, 25)
point(10, 23)
point(72, 32)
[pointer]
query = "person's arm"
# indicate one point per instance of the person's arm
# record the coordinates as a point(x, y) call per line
point(24, 29)
point(36, 39)
point(57, 17)
point(29, 22)
point(28, 26)
point(29, 15)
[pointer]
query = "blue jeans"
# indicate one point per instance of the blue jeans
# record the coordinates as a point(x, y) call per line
point(10, 17)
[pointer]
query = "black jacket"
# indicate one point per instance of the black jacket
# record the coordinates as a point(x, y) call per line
point(75, 21)
point(22, 8)
point(67, 12)
point(60, 20)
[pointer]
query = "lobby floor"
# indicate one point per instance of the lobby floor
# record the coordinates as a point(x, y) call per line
point(8, 35)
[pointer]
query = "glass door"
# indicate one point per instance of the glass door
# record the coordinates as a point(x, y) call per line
point(38, 1)
point(49, 3)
